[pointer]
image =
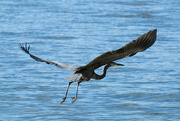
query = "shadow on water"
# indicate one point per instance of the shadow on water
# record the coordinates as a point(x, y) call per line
point(128, 16)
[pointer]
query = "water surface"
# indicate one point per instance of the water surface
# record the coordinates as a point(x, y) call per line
point(75, 32)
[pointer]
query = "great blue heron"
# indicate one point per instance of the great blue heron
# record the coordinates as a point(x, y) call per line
point(85, 73)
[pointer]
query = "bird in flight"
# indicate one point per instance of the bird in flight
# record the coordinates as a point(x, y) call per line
point(85, 73)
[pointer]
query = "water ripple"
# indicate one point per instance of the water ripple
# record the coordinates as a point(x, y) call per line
point(75, 32)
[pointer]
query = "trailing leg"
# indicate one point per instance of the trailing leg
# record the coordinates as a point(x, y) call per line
point(76, 92)
point(66, 92)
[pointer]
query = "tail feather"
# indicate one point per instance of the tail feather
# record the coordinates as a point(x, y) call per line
point(75, 77)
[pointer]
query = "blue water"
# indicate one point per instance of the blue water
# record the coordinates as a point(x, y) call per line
point(147, 88)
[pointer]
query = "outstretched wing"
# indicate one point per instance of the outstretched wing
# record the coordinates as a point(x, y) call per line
point(130, 49)
point(26, 48)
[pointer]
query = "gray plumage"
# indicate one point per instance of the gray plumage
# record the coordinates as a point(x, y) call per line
point(85, 73)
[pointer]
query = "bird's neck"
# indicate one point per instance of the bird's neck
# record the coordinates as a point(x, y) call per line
point(98, 77)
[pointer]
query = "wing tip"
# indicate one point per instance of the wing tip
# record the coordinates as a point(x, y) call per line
point(24, 47)
point(149, 39)
point(151, 33)
point(154, 32)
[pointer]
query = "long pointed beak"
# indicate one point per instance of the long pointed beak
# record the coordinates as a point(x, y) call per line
point(117, 64)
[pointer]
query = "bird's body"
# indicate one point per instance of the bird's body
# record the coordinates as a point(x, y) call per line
point(85, 73)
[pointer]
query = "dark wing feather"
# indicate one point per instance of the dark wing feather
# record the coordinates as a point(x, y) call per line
point(26, 48)
point(130, 49)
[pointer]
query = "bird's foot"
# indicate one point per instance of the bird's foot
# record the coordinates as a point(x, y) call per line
point(74, 99)
point(63, 100)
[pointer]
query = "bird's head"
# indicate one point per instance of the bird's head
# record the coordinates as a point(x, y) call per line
point(113, 64)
